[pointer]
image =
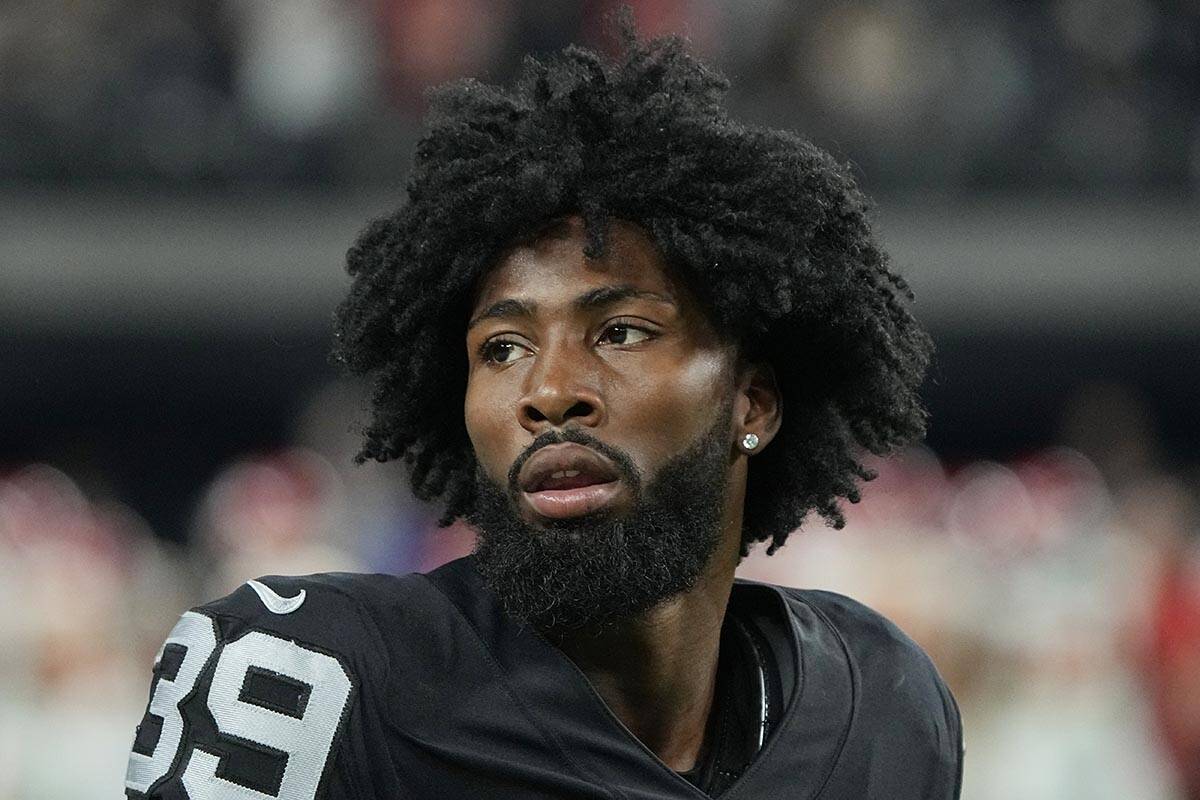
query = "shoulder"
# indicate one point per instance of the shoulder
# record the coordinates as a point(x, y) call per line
point(322, 593)
point(878, 647)
point(340, 611)
point(281, 666)
point(871, 638)
point(902, 702)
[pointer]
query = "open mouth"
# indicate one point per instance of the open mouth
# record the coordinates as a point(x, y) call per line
point(569, 480)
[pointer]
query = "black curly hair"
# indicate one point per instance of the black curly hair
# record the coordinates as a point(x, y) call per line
point(768, 230)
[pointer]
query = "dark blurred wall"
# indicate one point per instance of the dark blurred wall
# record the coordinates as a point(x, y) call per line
point(179, 182)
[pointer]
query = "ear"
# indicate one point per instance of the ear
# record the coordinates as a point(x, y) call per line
point(758, 406)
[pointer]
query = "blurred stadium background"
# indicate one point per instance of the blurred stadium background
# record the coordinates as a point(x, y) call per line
point(179, 181)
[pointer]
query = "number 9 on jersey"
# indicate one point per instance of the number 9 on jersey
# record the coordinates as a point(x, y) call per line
point(254, 718)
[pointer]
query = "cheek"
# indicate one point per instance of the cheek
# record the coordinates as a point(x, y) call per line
point(673, 407)
point(702, 376)
point(483, 413)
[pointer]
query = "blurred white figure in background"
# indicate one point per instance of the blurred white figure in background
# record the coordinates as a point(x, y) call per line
point(280, 514)
point(1064, 698)
point(76, 580)
point(306, 65)
point(1022, 585)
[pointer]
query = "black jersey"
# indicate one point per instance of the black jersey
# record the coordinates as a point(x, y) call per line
point(377, 687)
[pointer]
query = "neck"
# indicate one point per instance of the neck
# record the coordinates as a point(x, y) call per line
point(657, 671)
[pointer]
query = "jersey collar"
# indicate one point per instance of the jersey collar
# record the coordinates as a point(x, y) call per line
point(795, 761)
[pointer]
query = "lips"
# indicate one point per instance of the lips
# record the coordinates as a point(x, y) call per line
point(568, 480)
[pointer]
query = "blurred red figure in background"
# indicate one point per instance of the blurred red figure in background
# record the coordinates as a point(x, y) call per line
point(1173, 663)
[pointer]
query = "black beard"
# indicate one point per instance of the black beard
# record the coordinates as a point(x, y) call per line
point(593, 570)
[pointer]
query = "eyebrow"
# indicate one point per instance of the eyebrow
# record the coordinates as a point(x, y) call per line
point(600, 297)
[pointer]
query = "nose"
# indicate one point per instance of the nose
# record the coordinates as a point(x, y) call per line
point(559, 392)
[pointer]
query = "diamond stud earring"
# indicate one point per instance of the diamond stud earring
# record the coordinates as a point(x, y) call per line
point(749, 441)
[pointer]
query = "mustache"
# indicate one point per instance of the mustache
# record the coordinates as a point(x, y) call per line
point(628, 470)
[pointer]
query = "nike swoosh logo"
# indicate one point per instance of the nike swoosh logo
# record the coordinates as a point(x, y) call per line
point(274, 603)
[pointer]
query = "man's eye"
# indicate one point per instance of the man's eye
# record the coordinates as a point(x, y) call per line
point(501, 351)
point(624, 334)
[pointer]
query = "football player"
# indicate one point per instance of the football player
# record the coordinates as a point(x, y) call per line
point(624, 337)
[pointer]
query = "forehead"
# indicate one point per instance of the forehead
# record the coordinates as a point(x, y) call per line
point(553, 265)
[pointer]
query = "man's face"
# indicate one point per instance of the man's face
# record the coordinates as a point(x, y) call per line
point(599, 404)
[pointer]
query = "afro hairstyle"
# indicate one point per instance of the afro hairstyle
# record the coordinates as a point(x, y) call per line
point(768, 230)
